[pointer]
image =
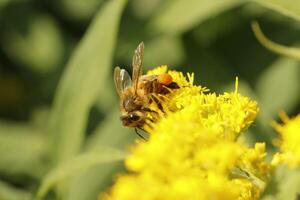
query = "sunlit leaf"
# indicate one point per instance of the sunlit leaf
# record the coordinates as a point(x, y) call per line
point(40, 51)
point(284, 184)
point(79, 10)
point(22, 149)
point(88, 185)
point(179, 16)
point(77, 165)
point(144, 8)
point(110, 132)
point(8, 192)
point(278, 88)
point(82, 80)
point(164, 50)
point(160, 50)
point(289, 8)
point(3, 3)
point(214, 28)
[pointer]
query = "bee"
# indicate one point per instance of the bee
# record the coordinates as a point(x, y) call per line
point(138, 92)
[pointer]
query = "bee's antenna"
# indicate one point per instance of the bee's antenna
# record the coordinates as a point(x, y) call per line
point(141, 136)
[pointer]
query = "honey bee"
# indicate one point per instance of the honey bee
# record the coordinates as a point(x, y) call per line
point(138, 92)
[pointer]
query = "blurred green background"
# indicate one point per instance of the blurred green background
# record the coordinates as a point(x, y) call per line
point(60, 132)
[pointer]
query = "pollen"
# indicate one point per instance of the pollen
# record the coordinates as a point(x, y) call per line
point(165, 79)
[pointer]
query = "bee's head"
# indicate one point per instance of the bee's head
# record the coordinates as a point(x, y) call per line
point(133, 119)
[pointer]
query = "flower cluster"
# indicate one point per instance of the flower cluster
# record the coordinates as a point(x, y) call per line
point(289, 142)
point(193, 151)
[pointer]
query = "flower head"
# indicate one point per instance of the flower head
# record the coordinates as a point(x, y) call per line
point(192, 152)
point(289, 142)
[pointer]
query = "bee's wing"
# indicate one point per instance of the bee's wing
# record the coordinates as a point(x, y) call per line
point(122, 80)
point(137, 63)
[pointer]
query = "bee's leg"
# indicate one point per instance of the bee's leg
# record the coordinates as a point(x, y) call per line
point(142, 129)
point(166, 89)
point(157, 101)
point(151, 120)
point(169, 88)
point(140, 135)
point(164, 97)
point(149, 125)
point(149, 110)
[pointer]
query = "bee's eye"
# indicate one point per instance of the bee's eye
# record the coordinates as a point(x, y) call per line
point(134, 117)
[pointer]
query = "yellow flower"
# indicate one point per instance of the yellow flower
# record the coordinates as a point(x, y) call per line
point(192, 152)
point(289, 142)
point(228, 113)
point(251, 161)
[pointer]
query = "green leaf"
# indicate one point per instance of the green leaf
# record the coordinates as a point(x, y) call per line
point(164, 50)
point(3, 3)
point(144, 8)
point(277, 48)
point(79, 10)
point(110, 132)
point(284, 184)
point(22, 150)
point(40, 51)
point(218, 27)
point(179, 16)
point(89, 184)
point(8, 192)
point(278, 88)
point(77, 165)
point(288, 8)
point(82, 81)
point(160, 50)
